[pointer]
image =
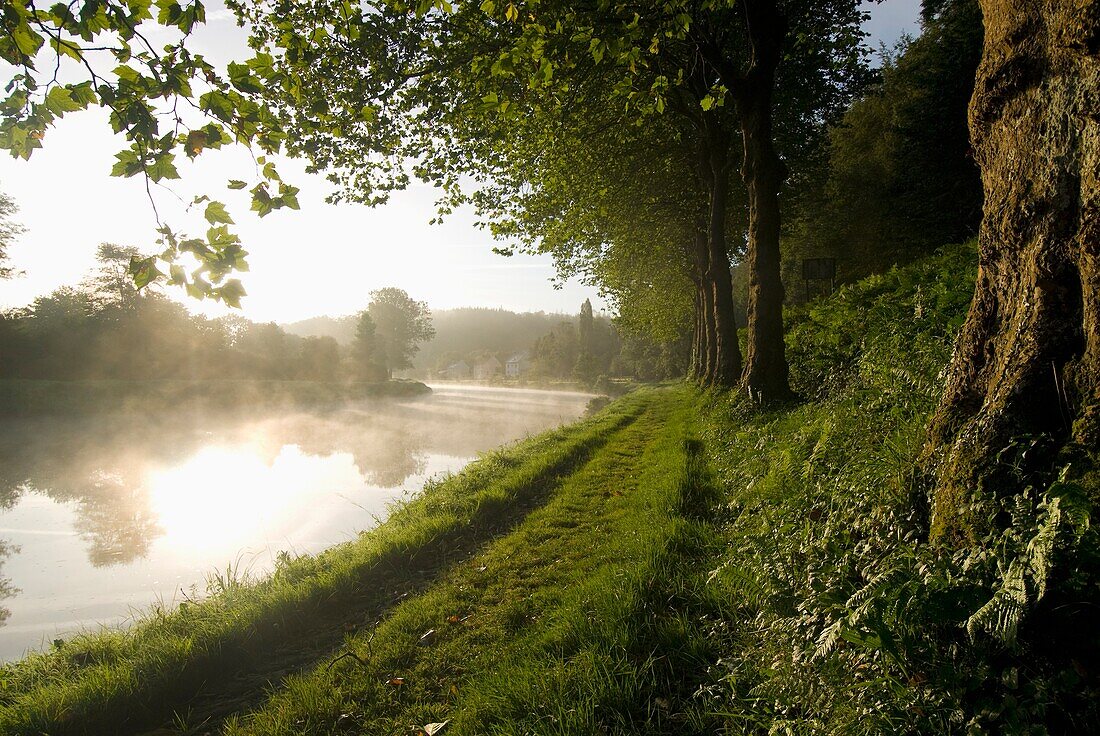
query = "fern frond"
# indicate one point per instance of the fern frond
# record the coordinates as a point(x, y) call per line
point(1002, 614)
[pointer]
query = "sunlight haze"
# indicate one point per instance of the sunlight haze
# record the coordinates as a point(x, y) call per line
point(323, 259)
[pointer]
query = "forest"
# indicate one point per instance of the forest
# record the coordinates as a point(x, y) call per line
point(859, 499)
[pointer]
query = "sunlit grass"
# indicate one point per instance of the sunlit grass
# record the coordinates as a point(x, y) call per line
point(563, 626)
point(103, 682)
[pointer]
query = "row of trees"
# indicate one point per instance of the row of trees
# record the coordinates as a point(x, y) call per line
point(609, 134)
point(592, 347)
point(107, 328)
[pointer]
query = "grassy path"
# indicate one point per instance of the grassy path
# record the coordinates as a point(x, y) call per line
point(525, 572)
point(216, 657)
point(565, 625)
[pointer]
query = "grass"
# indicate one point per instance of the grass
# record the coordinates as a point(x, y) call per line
point(680, 563)
point(116, 680)
point(548, 630)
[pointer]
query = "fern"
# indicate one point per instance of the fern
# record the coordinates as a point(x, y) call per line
point(1062, 512)
point(1002, 614)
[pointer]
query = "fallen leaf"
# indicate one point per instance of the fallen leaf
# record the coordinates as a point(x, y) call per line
point(397, 681)
point(435, 728)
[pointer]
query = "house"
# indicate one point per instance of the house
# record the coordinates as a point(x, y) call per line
point(517, 365)
point(459, 371)
point(488, 368)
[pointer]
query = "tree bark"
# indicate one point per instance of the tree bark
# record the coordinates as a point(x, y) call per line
point(693, 372)
point(725, 368)
point(707, 362)
point(701, 338)
point(765, 376)
point(1027, 362)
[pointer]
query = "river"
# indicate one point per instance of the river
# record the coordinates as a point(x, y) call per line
point(102, 518)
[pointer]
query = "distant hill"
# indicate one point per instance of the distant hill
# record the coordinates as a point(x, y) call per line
point(341, 328)
point(458, 332)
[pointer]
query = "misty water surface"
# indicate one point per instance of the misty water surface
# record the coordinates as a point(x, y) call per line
point(101, 518)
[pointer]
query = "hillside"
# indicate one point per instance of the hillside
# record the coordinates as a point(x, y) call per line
point(458, 332)
point(680, 563)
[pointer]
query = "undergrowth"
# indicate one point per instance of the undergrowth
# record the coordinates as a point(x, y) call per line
point(680, 563)
point(849, 621)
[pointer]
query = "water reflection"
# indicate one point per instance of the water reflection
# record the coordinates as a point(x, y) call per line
point(6, 588)
point(112, 513)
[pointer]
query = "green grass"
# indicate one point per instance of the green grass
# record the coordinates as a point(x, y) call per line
point(680, 563)
point(561, 627)
point(104, 682)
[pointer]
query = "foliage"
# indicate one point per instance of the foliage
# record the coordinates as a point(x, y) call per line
point(164, 99)
point(107, 329)
point(9, 231)
point(578, 351)
point(399, 324)
point(366, 350)
point(900, 179)
point(848, 620)
point(846, 340)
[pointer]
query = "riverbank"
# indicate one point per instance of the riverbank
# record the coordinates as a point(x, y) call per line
point(680, 563)
point(28, 397)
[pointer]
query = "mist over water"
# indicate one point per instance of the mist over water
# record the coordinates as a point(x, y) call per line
point(102, 517)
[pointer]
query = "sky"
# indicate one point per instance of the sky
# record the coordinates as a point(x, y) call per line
point(322, 259)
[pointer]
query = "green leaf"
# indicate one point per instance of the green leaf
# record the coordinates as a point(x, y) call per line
point(127, 164)
point(236, 184)
point(163, 168)
point(231, 292)
point(144, 271)
point(215, 213)
point(261, 200)
point(59, 100)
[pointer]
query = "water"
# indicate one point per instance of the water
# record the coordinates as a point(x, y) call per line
point(99, 518)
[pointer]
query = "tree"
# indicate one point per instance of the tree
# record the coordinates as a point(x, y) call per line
point(112, 283)
point(164, 99)
point(470, 90)
point(367, 359)
point(555, 353)
point(901, 180)
point(586, 366)
point(1027, 363)
point(400, 323)
point(9, 231)
point(319, 359)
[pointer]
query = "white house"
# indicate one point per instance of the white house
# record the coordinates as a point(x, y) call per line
point(517, 365)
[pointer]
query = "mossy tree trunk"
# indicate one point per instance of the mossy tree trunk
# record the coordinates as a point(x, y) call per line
point(723, 364)
point(765, 377)
point(703, 343)
point(1027, 363)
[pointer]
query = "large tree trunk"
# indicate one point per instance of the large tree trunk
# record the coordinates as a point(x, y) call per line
point(766, 376)
point(1027, 363)
point(701, 336)
point(694, 371)
point(706, 364)
point(725, 357)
